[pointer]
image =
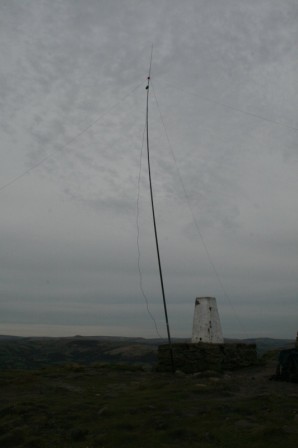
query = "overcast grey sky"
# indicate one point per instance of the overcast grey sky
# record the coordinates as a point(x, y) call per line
point(223, 133)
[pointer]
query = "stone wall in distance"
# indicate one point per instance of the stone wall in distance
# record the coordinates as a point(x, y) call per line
point(192, 358)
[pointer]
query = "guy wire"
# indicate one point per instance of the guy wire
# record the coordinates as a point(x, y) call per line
point(211, 262)
point(72, 140)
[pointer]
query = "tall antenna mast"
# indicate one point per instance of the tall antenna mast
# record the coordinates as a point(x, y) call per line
point(154, 221)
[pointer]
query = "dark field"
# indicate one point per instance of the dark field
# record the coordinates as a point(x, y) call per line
point(108, 405)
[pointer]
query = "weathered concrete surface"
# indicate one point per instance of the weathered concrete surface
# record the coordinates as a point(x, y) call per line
point(192, 358)
point(206, 322)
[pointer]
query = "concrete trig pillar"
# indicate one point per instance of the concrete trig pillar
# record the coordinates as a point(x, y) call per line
point(206, 322)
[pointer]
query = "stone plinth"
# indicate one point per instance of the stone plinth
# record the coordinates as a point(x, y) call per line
point(192, 358)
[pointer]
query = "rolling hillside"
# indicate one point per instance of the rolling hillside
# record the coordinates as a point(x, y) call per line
point(32, 353)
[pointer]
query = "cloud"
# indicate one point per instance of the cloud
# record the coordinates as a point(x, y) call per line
point(222, 121)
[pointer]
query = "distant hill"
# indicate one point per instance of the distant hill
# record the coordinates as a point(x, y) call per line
point(266, 344)
point(33, 353)
point(36, 352)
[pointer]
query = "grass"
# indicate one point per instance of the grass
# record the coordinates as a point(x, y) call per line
point(123, 406)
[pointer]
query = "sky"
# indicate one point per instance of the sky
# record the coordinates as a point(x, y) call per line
point(77, 244)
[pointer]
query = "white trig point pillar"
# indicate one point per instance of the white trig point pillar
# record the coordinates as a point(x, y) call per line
point(206, 322)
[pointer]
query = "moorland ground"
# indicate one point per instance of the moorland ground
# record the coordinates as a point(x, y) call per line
point(116, 405)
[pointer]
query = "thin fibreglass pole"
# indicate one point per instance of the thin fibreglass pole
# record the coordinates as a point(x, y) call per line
point(154, 221)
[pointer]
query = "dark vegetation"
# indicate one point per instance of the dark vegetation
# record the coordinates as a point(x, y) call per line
point(32, 353)
point(112, 403)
